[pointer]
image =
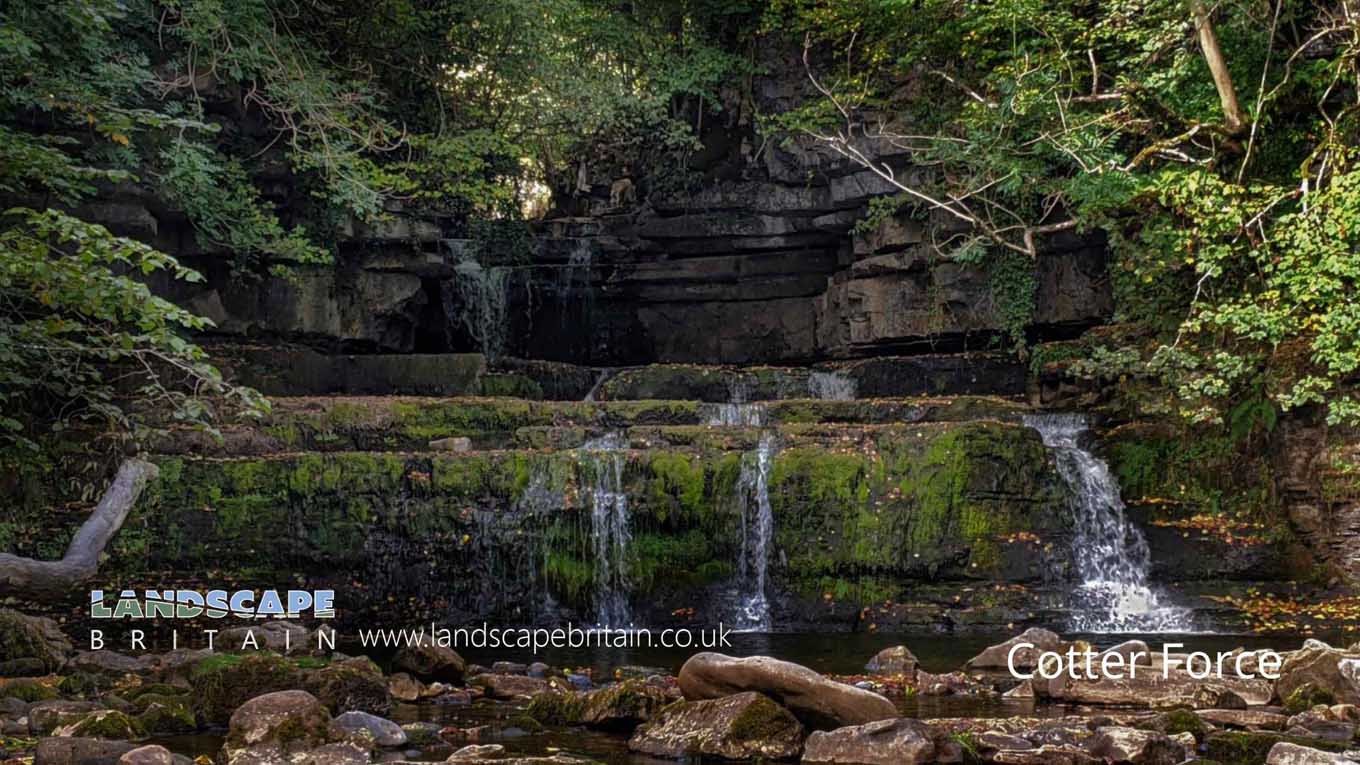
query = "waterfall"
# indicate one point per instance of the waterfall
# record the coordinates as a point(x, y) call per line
point(609, 532)
point(831, 386)
point(482, 297)
point(757, 529)
point(738, 412)
point(1110, 554)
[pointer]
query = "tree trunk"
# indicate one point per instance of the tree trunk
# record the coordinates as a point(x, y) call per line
point(36, 579)
point(1234, 119)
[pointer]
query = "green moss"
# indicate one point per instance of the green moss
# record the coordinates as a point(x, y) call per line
point(352, 684)
point(1307, 696)
point(761, 720)
point(569, 578)
point(222, 682)
point(1251, 747)
point(165, 714)
point(552, 708)
point(108, 724)
point(28, 690)
point(1178, 721)
point(511, 386)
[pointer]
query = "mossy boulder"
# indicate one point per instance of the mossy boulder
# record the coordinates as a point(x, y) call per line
point(273, 726)
point(556, 707)
point(351, 685)
point(105, 723)
point(623, 706)
point(165, 714)
point(30, 645)
point(431, 662)
point(223, 682)
point(1307, 696)
point(1252, 747)
point(739, 727)
point(46, 716)
point(27, 689)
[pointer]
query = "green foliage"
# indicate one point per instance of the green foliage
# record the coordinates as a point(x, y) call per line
point(78, 334)
point(1235, 247)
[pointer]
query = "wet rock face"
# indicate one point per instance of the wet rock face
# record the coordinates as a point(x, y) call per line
point(887, 742)
point(816, 701)
point(738, 727)
point(30, 645)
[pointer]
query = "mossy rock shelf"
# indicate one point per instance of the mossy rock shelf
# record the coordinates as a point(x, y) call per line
point(498, 529)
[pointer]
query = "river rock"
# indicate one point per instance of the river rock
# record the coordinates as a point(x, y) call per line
point(1251, 719)
point(1150, 689)
point(430, 662)
point(381, 731)
point(509, 686)
point(46, 716)
point(1119, 745)
point(280, 636)
point(623, 706)
point(898, 660)
point(1328, 669)
point(1285, 753)
point(272, 727)
point(996, 657)
point(79, 751)
point(886, 742)
point(147, 755)
point(403, 687)
point(350, 684)
point(477, 752)
point(740, 727)
point(30, 645)
point(819, 703)
point(105, 723)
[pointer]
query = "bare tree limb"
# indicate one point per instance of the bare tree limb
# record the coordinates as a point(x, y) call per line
point(1234, 119)
point(31, 578)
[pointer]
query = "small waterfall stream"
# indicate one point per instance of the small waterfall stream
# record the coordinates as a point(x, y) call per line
point(757, 529)
point(832, 386)
point(738, 412)
point(481, 304)
point(1110, 554)
point(609, 529)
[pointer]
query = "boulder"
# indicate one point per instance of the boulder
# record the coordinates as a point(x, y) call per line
point(885, 742)
point(79, 751)
point(350, 684)
point(403, 687)
point(996, 657)
point(1148, 688)
point(1329, 669)
point(898, 660)
point(817, 702)
point(147, 755)
point(623, 706)
point(509, 686)
point(1119, 745)
point(275, 726)
point(429, 662)
point(105, 723)
point(1250, 719)
point(740, 727)
point(30, 645)
point(46, 716)
point(221, 682)
point(1285, 753)
point(378, 730)
point(279, 636)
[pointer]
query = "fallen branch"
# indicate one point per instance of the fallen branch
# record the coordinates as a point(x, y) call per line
point(31, 578)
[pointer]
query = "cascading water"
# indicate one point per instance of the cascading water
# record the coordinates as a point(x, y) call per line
point(738, 412)
point(1111, 555)
point(610, 535)
point(481, 303)
point(831, 386)
point(757, 528)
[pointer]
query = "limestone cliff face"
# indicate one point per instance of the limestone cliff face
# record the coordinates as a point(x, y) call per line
point(754, 256)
